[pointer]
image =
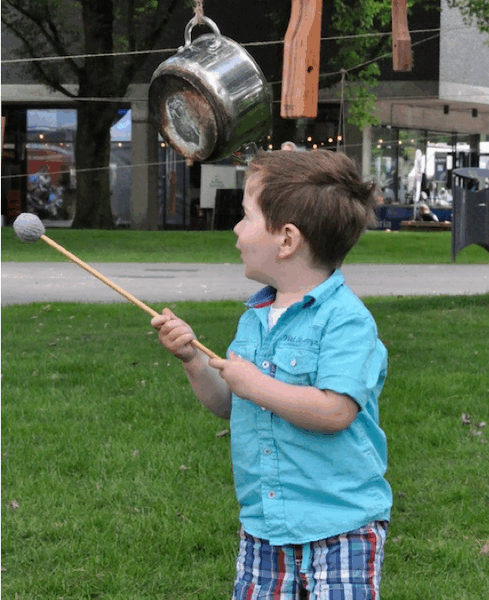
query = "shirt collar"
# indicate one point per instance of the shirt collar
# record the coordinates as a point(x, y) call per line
point(262, 298)
point(266, 296)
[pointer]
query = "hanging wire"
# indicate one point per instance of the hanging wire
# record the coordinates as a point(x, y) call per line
point(342, 72)
point(244, 44)
point(459, 97)
point(321, 76)
point(384, 143)
point(342, 118)
point(363, 64)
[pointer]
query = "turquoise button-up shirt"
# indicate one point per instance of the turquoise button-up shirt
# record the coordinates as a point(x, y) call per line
point(294, 485)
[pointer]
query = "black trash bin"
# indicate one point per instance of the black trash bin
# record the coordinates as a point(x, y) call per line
point(470, 211)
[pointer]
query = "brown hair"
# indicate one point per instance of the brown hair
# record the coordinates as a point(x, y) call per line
point(321, 193)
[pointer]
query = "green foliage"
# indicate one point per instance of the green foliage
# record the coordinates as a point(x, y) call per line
point(355, 17)
point(358, 56)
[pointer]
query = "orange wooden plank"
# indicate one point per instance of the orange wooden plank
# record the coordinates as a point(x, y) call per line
point(302, 46)
point(402, 58)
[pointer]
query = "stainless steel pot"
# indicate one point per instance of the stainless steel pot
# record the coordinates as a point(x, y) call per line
point(210, 98)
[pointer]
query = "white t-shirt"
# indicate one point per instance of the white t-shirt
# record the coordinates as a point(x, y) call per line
point(274, 316)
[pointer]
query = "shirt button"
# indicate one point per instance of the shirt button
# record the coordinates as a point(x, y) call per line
point(265, 364)
point(293, 362)
point(267, 451)
point(271, 495)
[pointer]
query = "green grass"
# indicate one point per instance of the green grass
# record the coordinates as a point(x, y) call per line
point(124, 489)
point(219, 247)
point(406, 247)
point(126, 246)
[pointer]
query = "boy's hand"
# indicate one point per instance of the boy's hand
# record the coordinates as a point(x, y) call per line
point(242, 376)
point(175, 335)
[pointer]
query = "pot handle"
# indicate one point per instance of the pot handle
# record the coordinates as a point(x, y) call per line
point(205, 20)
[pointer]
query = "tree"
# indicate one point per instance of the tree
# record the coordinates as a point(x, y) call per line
point(473, 10)
point(97, 29)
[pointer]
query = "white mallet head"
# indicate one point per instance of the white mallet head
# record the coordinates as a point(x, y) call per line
point(28, 227)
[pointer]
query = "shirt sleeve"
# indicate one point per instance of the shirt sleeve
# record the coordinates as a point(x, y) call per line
point(352, 360)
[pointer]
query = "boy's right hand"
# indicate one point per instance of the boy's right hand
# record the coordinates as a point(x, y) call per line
point(175, 335)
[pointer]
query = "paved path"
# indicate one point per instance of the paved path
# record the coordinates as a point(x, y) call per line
point(169, 282)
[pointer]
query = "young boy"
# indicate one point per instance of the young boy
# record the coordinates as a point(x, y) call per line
point(300, 386)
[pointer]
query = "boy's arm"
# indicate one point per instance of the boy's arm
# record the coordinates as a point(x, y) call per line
point(212, 391)
point(209, 387)
point(303, 406)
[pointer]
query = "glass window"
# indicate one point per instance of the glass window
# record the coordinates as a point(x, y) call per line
point(50, 162)
point(439, 164)
point(120, 168)
point(411, 149)
point(50, 149)
point(384, 163)
point(484, 152)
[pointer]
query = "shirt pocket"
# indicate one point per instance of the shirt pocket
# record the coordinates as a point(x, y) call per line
point(297, 366)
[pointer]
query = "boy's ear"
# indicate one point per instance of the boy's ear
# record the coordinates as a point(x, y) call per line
point(291, 239)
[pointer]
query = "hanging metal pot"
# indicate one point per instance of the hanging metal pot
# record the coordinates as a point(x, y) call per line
point(210, 98)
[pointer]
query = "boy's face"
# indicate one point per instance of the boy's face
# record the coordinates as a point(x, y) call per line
point(259, 248)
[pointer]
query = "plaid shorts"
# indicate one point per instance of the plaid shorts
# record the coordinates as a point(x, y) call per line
point(343, 567)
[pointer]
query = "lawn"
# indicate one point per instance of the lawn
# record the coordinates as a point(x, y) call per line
point(219, 247)
point(117, 484)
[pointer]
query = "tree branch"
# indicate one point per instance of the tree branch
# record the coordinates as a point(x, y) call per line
point(150, 42)
point(53, 40)
point(60, 49)
point(51, 81)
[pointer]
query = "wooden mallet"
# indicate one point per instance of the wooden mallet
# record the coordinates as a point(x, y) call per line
point(29, 228)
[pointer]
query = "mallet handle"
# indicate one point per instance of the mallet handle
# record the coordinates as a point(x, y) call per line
point(117, 288)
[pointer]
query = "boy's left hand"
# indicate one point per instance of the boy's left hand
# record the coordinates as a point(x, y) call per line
point(242, 376)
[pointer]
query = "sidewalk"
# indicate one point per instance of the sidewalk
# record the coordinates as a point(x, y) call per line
point(169, 282)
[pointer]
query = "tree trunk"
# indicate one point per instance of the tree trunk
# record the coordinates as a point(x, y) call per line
point(92, 159)
point(92, 147)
